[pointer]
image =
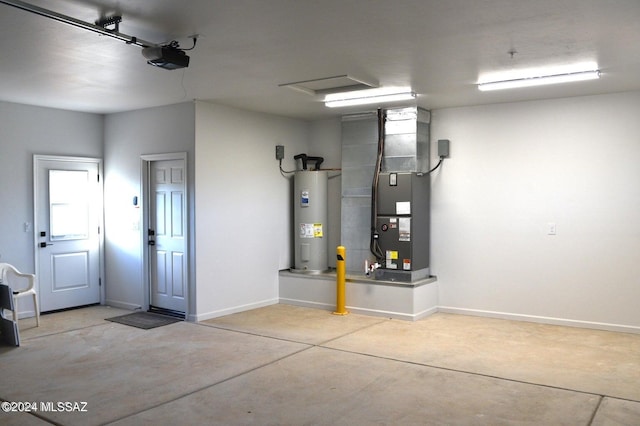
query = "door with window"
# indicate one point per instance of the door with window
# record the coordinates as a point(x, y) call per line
point(68, 221)
point(167, 235)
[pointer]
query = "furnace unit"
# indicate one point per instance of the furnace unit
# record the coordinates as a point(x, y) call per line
point(402, 196)
point(402, 226)
point(388, 225)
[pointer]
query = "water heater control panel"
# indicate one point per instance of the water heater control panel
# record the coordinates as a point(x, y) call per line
point(304, 198)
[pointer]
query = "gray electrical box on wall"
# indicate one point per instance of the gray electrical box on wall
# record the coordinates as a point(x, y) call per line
point(279, 152)
point(443, 148)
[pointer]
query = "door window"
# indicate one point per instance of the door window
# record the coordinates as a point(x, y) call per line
point(69, 204)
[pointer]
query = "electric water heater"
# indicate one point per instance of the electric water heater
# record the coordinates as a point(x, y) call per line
point(310, 221)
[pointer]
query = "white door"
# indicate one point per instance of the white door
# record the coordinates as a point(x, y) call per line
point(167, 238)
point(68, 218)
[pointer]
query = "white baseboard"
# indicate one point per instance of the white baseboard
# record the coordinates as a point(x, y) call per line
point(232, 310)
point(361, 311)
point(122, 305)
point(395, 315)
point(542, 320)
point(307, 304)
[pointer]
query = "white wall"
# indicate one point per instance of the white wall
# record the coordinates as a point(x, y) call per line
point(243, 206)
point(516, 167)
point(128, 135)
point(25, 131)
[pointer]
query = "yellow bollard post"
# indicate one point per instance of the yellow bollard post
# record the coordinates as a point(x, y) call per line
point(340, 281)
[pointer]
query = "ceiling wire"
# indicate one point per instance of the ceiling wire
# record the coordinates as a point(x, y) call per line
point(184, 89)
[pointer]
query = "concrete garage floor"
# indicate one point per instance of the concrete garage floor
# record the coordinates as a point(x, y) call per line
point(287, 365)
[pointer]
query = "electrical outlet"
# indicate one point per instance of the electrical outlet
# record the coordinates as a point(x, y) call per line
point(551, 228)
point(279, 152)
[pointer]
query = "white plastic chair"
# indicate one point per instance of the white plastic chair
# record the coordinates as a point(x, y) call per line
point(8, 275)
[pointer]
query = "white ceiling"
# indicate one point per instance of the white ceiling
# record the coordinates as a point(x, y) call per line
point(247, 48)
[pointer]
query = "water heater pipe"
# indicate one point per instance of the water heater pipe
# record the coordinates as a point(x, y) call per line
point(305, 158)
point(374, 246)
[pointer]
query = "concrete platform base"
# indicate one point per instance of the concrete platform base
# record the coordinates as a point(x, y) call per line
point(399, 300)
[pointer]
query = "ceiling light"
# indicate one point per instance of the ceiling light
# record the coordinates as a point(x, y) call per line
point(373, 96)
point(540, 80)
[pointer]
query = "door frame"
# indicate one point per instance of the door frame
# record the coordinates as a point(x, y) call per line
point(36, 233)
point(145, 163)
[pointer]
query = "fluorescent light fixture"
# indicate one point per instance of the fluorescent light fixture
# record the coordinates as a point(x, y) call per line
point(372, 96)
point(539, 77)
